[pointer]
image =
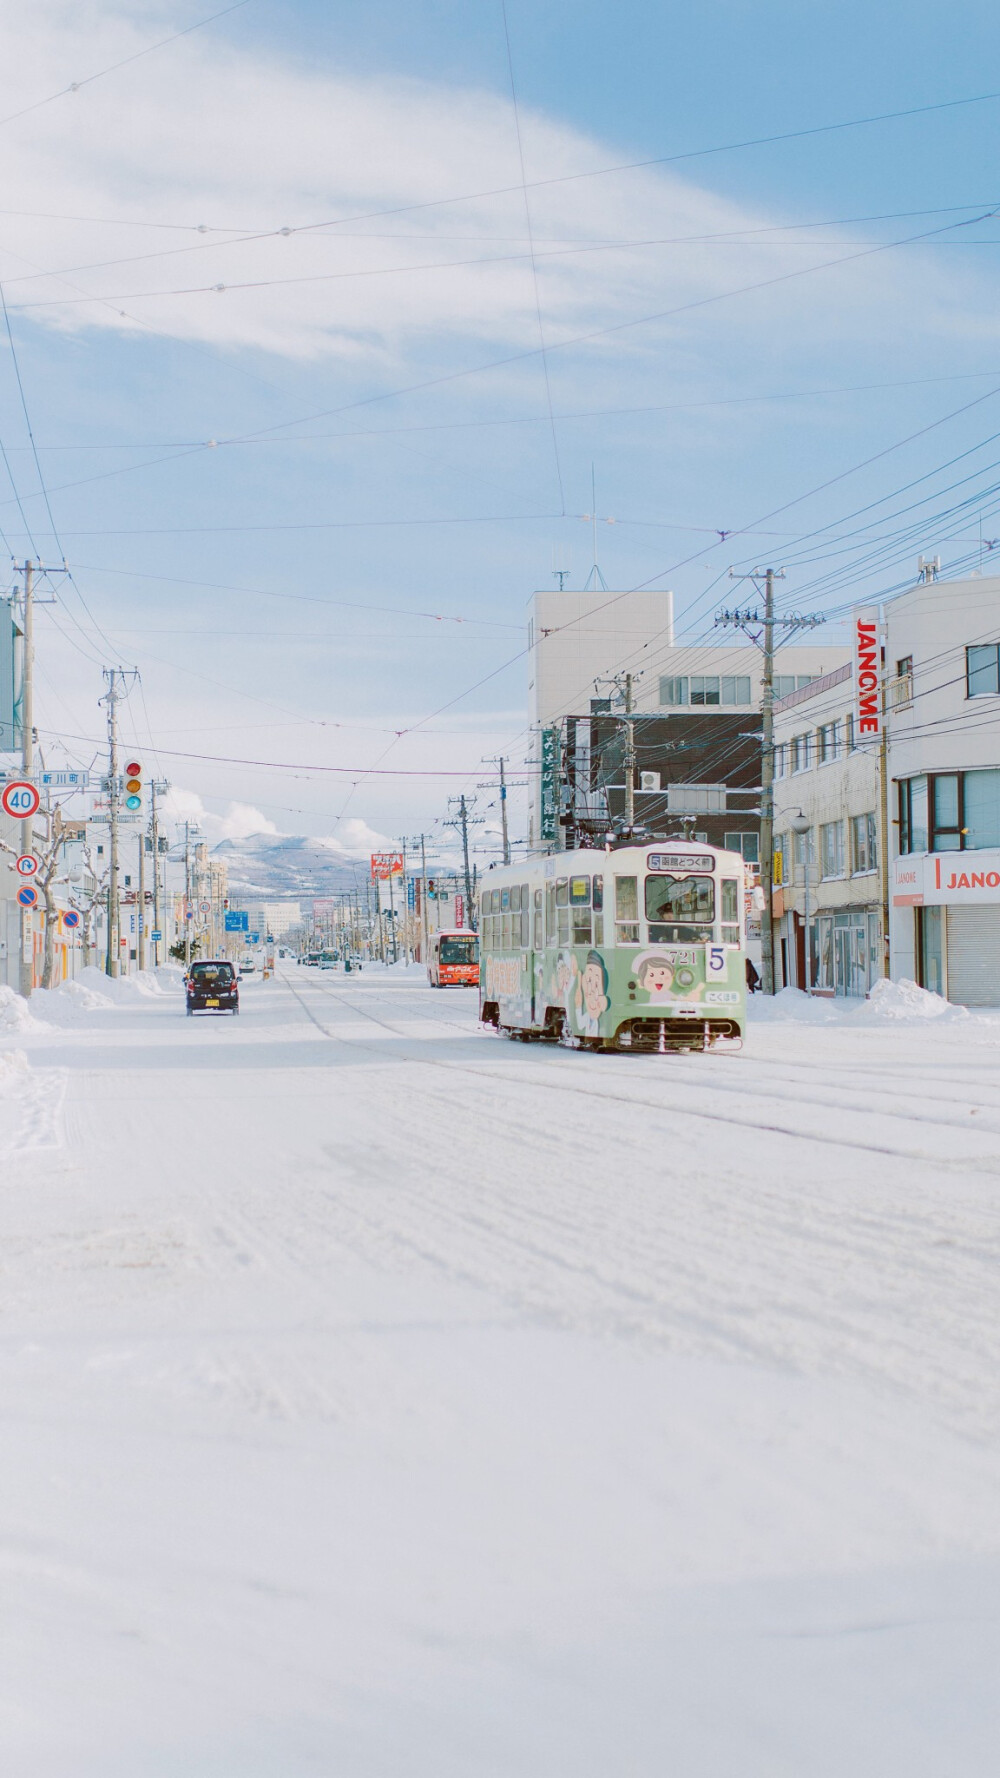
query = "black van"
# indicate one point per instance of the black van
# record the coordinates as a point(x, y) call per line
point(212, 987)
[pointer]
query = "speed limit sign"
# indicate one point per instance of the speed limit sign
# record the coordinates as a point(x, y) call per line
point(20, 799)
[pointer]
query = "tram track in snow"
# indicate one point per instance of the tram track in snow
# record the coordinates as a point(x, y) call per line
point(518, 1076)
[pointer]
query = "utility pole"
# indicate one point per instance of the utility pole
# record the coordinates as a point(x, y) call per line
point(156, 789)
point(27, 762)
point(112, 962)
point(141, 905)
point(187, 895)
point(760, 630)
point(464, 820)
point(503, 812)
point(625, 687)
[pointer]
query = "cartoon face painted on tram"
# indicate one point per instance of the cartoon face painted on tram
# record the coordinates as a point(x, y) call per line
point(665, 976)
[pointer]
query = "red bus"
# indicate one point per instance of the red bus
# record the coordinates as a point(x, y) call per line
point(453, 960)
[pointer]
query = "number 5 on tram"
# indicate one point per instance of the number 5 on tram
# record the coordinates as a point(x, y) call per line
point(637, 949)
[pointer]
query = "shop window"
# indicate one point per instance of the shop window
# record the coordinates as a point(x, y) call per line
point(831, 848)
point(982, 670)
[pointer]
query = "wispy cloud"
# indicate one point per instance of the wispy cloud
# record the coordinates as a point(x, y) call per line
point(206, 136)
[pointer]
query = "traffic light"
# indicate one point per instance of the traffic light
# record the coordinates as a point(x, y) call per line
point(431, 891)
point(133, 785)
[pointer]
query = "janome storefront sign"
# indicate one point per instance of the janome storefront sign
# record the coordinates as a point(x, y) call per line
point(946, 879)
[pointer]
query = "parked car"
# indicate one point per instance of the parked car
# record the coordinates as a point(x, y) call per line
point(212, 986)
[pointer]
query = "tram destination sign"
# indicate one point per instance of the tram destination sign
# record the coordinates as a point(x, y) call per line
point(680, 861)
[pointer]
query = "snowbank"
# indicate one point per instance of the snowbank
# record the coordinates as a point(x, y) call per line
point(897, 1003)
point(15, 1013)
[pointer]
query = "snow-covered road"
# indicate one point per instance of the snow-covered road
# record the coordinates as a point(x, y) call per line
point(381, 1398)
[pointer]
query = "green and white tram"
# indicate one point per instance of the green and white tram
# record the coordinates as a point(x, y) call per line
point(639, 948)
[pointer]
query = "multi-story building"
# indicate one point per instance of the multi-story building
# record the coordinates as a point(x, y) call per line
point(697, 739)
point(943, 723)
point(829, 919)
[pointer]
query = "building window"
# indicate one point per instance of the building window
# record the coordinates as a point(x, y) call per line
point(673, 691)
point(784, 685)
point(736, 689)
point(951, 812)
point(980, 809)
point(800, 753)
point(946, 826)
point(913, 815)
point(864, 843)
point(704, 689)
point(982, 670)
point(831, 848)
point(746, 843)
point(780, 760)
point(828, 743)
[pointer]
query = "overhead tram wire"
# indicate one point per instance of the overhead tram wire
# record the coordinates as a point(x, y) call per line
point(88, 79)
point(534, 262)
point(863, 252)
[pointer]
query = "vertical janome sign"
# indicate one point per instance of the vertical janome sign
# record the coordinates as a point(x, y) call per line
point(867, 674)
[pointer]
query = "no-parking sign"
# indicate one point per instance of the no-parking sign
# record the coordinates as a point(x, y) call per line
point(71, 919)
point(27, 895)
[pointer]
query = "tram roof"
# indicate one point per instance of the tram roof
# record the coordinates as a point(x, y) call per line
point(591, 858)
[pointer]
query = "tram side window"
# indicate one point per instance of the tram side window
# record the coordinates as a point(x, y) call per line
point(515, 899)
point(562, 910)
point(598, 904)
point(627, 910)
point(730, 911)
point(550, 913)
point(539, 933)
point(525, 917)
point(579, 898)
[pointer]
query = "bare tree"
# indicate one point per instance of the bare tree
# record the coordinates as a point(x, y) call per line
point(46, 879)
point(88, 901)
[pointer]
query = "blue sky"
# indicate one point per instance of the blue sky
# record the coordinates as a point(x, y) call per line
point(384, 459)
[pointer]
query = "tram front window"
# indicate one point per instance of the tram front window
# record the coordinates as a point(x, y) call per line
point(680, 910)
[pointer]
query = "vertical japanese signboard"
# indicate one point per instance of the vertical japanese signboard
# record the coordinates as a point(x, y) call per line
point(550, 783)
point(867, 674)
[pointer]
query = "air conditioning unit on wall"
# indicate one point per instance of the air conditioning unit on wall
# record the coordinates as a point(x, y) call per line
point(649, 781)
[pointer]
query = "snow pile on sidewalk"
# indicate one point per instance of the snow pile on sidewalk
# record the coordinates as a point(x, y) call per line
point(904, 1002)
point(13, 1064)
point(792, 1003)
point(15, 1013)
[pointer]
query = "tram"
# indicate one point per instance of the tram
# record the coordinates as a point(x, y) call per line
point(639, 948)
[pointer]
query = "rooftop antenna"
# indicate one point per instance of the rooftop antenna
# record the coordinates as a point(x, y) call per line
point(595, 574)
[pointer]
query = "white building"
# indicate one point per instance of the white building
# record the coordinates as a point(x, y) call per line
point(579, 638)
point(828, 892)
point(943, 696)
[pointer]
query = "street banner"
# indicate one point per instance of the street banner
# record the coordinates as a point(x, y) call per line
point(386, 865)
point(867, 673)
point(550, 783)
point(411, 893)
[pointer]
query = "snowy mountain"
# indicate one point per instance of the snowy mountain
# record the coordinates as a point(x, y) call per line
point(270, 866)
